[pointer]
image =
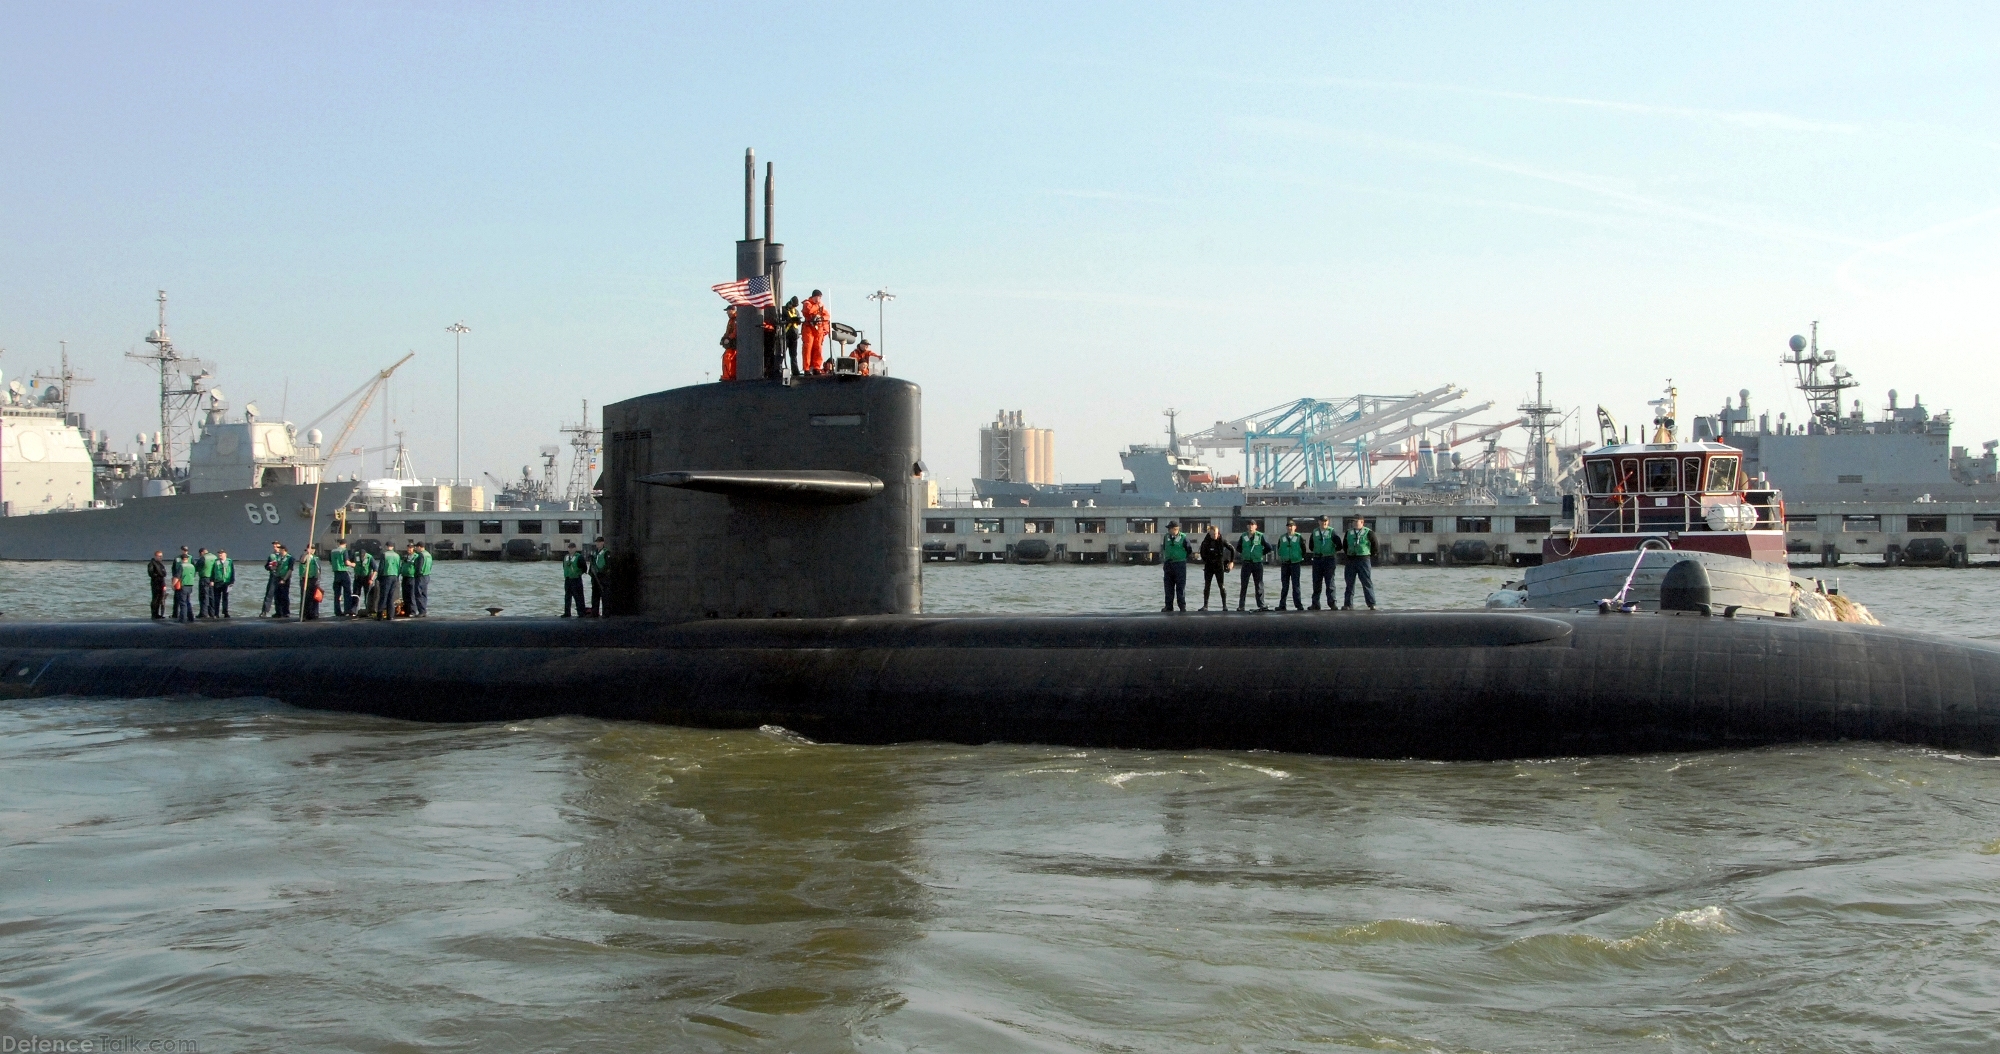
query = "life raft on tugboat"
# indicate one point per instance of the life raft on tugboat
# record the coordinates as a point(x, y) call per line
point(1678, 517)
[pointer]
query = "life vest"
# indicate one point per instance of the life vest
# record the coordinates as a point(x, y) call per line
point(1358, 543)
point(1174, 549)
point(1251, 545)
point(1291, 548)
point(1323, 542)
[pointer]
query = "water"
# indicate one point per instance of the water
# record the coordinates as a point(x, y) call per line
point(246, 876)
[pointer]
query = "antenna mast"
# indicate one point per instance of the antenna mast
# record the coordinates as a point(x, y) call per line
point(583, 441)
point(1539, 414)
point(180, 394)
point(1822, 397)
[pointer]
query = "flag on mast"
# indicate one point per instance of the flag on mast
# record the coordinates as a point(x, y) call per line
point(748, 292)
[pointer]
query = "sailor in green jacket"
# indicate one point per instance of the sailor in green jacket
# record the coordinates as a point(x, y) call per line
point(182, 578)
point(1174, 551)
point(310, 566)
point(364, 583)
point(221, 575)
point(386, 581)
point(1323, 545)
point(281, 564)
point(573, 566)
point(341, 560)
point(1251, 551)
point(600, 558)
point(1291, 550)
point(1359, 544)
point(204, 563)
point(421, 580)
point(409, 575)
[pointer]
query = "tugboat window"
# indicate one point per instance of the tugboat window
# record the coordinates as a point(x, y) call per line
point(1599, 476)
point(1038, 526)
point(569, 526)
point(1721, 475)
point(1691, 475)
point(530, 527)
point(940, 526)
point(1662, 475)
point(490, 527)
point(985, 526)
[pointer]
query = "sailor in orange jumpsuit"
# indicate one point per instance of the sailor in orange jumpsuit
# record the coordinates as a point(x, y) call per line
point(818, 324)
point(863, 355)
point(729, 347)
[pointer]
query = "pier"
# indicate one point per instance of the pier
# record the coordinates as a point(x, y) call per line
point(1915, 533)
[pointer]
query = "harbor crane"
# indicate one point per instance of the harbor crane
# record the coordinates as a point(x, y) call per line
point(366, 393)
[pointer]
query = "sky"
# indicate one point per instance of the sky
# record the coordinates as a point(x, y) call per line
point(1087, 212)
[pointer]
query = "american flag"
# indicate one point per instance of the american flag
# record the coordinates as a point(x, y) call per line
point(752, 292)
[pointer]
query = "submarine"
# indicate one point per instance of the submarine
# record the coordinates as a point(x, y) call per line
point(767, 571)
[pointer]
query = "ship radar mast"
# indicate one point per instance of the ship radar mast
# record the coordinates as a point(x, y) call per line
point(1823, 396)
point(1540, 416)
point(1665, 409)
point(183, 390)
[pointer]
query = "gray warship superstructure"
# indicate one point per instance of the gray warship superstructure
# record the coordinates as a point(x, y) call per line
point(1839, 454)
point(242, 484)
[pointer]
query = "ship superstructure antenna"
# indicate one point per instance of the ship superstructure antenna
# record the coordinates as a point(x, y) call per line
point(1173, 431)
point(584, 448)
point(1539, 415)
point(401, 468)
point(1822, 396)
point(63, 380)
point(183, 387)
point(1664, 410)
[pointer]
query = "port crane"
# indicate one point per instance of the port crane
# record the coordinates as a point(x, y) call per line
point(366, 394)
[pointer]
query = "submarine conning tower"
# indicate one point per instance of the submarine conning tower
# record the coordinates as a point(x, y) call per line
point(765, 497)
point(759, 499)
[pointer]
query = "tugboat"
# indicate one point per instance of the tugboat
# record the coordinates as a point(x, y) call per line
point(1647, 508)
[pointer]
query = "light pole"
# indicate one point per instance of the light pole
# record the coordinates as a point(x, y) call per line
point(458, 330)
point(881, 298)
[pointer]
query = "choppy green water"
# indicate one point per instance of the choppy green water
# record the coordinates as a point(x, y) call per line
point(253, 877)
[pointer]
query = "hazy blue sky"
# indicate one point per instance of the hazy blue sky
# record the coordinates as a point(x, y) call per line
point(1089, 212)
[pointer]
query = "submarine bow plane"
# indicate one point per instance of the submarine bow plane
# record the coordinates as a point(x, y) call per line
point(758, 474)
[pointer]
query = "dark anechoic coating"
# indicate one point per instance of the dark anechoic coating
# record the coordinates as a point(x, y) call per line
point(685, 554)
point(1468, 685)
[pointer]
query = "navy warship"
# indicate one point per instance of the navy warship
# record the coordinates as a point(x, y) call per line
point(207, 477)
point(803, 497)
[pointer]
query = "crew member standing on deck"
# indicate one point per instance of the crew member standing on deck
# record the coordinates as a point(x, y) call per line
point(281, 564)
point(599, 559)
point(221, 575)
point(1174, 552)
point(1291, 549)
point(729, 346)
point(204, 562)
point(387, 578)
point(309, 591)
point(183, 579)
point(1359, 545)
point(409, 572)
point(1323, 545)
point(342, 562)
point(817, 325)
point(1216, 556)
point(364, 584)
point(573, 565)
point(1251, 548)
point(156, 576)
point(423, 580)
point(789, 321)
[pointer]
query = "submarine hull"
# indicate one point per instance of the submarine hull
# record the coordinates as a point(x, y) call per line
point(1439, 685)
